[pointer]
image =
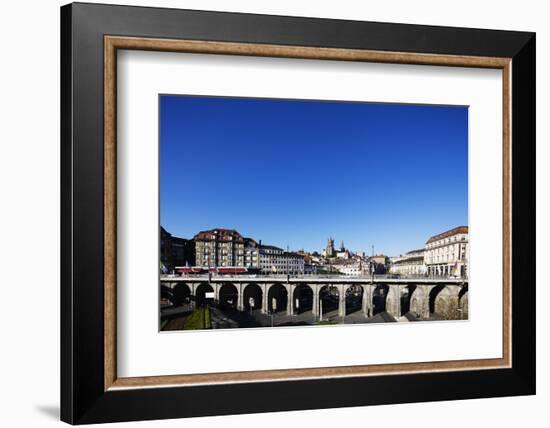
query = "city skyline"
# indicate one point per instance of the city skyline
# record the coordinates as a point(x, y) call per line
point(337, 243)
point(294, 173)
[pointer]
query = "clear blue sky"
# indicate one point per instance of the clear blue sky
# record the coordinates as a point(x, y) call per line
point(294, 173)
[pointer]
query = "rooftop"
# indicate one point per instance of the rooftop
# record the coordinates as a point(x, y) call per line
point(219, 234)
point(448, 233)
point(420, 250)
point(270, 247)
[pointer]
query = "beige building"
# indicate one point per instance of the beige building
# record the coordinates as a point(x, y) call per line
point(446, 254)
point(274, 260)
point(379, 259)
point(219, 248)
point(379, 264)
point(351, 267)
point(411, 264)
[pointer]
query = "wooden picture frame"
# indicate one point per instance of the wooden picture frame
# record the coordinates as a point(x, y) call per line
point(91, 390)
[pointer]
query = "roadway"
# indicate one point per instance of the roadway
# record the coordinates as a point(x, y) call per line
point(231, 318)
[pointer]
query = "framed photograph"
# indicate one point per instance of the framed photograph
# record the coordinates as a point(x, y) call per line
point(320, 213)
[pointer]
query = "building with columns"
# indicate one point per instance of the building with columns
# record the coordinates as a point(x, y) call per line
point(411, 264)
point(447, 253)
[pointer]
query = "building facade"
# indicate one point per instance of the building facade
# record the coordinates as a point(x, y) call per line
point(379, 263)
point(411, 264)
point(175, 251)
point(311, 263)
point(447, 253)
point(351, 267)
point(274, 260)
point(219, 248)
point(251, 254)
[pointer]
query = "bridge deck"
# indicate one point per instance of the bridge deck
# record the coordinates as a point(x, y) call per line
point(311, 279)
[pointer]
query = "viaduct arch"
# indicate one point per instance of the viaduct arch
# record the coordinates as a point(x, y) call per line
point(428, 299)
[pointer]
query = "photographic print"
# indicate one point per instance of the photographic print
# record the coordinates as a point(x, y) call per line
point(286, 190)
point(283, 212)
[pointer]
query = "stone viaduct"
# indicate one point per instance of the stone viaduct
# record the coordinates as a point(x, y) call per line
point(423, 298)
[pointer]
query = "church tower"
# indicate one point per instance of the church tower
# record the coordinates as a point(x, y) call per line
point(330, 248)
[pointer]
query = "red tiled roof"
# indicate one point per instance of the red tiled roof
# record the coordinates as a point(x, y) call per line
point(452, 232)
point(219, 234)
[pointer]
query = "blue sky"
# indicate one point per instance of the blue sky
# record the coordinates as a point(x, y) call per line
point(293, 173)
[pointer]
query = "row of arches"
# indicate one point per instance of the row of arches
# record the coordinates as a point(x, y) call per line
point(440, 300)
point(277, 299)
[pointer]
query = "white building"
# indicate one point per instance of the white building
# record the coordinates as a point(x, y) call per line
point(251, 253)
point(353, 267)
point(447, 253)
point(274, 260)
point(312, 268)
point(345, 255)
point(411, 264)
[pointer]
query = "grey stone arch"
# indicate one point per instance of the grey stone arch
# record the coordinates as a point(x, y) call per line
point(379, 298)
point(393, 301)
point(200, 293)
point(354, 298)
point(443, 302)
point(463, 303)
point(303, 299)
point(277, 297)
point(329, 296)
point(228, 295)
point(253, 297)
point(417, 302)
point(166, 292)
point(406, 298)
point(168, 285)
point(181, 293)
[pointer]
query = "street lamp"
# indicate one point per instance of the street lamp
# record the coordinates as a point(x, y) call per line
point(287, 257)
